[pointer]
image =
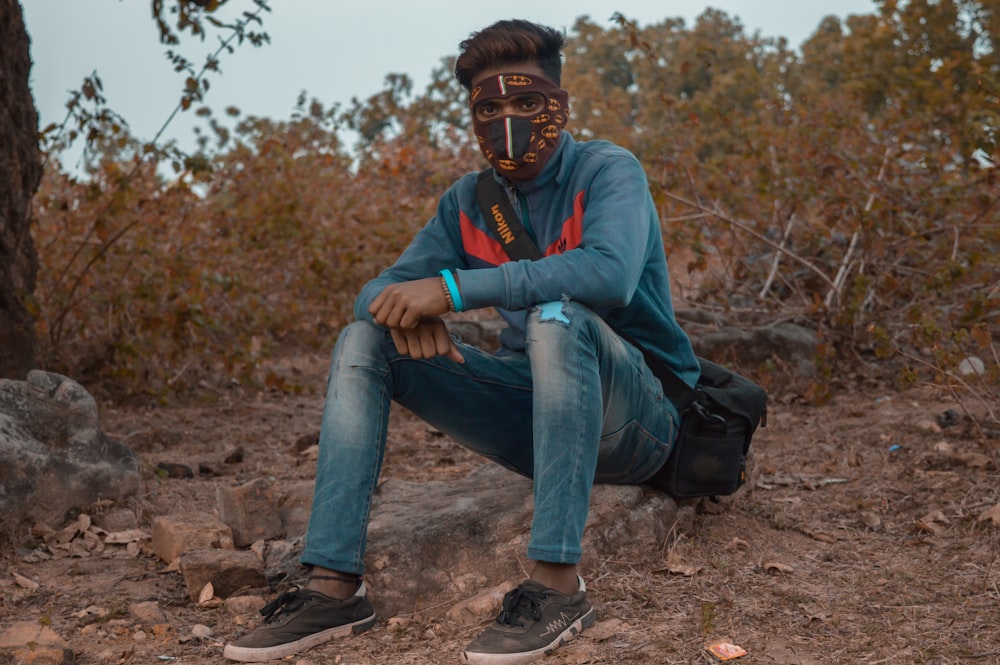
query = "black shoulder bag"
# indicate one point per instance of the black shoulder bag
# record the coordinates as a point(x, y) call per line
point(718, 416)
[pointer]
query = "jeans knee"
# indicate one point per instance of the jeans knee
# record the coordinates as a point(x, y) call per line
point(359, 340)
point(559, 321)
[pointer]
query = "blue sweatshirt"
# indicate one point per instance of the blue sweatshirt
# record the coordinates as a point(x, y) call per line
point(591, 214)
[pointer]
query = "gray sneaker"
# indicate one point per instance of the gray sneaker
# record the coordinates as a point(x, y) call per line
point(534, 621)
point(299, 619)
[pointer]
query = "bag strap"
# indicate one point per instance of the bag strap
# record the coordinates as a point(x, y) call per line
point(517, 244)
point(503, 219)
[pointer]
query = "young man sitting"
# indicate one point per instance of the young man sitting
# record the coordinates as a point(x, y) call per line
point(580, 404)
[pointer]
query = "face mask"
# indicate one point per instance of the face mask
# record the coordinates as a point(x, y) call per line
point(519, 146)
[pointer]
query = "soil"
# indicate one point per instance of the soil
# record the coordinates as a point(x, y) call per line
point(869, 533)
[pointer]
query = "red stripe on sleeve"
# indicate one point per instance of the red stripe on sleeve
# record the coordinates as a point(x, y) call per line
point(479, 244)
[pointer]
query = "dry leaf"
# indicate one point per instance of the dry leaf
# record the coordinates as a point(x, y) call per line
point(871, 520)
point(822, 537)
point(814, 613)
point(973, 460)
point(992, 515)
point(605, 630)
point(125, 537)
point(24, 582)
point(933, 522)
point(172, 567)
point(737, 544)
point(677, 566)
point(686, 570)
point(777, 567)
point(206, 594)
point(725, 650)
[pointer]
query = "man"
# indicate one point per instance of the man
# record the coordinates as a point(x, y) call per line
point(579, 403)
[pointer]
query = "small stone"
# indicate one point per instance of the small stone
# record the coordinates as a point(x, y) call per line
point(148, 613)
point(235, 456)
point(172, 470)
point(243, 604)
point(928, 426)
point(201, 631)
point(971, 365)
point(949, 418)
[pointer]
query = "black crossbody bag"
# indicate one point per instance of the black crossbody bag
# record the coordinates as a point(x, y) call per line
point(718, 416)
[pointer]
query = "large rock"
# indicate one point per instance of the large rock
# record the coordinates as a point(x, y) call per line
point(791, 347)
point(443, 541)
point(53, 456)
point(788, 347)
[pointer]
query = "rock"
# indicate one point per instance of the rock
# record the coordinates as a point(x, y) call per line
point(30, 643)
point(791, 345)
point(118, 519)
point(148, 613)
point(972, 366)
point(229, 571)
point(250, 511)
point(445, 541)
point(430, 542)
point(483, 334)
point(243, 605)
point(294, 508)
point(53, 455)
point(174, 534)
point(787, 343)
point(478, 607)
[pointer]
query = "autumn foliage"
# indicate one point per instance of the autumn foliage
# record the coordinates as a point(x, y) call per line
point(847, 186)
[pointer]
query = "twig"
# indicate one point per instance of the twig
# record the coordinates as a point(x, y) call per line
point(838, 281)
point(845, 264)
point(56, 329)
point(754, 234)
point(777, 255)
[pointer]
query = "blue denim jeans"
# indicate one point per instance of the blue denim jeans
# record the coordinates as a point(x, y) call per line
point(578, 406)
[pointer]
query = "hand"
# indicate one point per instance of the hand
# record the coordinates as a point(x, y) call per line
point(405, 304)
point(428, 339)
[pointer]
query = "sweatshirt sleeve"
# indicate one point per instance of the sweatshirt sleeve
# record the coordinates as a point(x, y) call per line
point(603, 271)
point(435, 247)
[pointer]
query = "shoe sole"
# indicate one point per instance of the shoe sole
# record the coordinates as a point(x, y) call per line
point(574, 629)
point(261, 654)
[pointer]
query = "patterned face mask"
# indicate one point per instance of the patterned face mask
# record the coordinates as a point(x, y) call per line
point(519, 146)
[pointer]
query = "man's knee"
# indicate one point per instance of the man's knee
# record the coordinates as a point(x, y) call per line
point(559, 318)
point(360, 338)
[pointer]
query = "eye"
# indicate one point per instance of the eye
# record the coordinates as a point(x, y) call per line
point(530, 103)
point(487, 110)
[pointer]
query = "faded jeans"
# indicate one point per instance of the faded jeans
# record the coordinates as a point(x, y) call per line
point(578, 406)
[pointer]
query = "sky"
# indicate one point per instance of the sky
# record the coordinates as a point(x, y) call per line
point(335, 50)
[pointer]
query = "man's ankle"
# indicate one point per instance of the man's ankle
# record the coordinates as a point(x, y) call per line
point(333, 583)
point(559, 576)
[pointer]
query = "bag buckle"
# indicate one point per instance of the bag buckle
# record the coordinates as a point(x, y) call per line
point(709, 421)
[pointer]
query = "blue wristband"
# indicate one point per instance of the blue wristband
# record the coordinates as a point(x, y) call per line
point(449, 281)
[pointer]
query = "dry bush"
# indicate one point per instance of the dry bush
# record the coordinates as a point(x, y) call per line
point(793, 187)
point(151, 288)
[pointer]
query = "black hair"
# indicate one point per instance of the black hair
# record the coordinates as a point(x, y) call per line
point(507, 43)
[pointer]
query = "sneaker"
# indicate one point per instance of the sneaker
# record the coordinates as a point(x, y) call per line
point(299, 619)
point(534, 621)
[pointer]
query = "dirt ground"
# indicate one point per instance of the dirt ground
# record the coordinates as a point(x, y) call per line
point(870, 534)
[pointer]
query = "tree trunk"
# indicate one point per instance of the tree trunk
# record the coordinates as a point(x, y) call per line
point(20, 173)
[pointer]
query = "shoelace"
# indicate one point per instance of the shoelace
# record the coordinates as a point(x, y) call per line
point(518, 602)
point(289, 601)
